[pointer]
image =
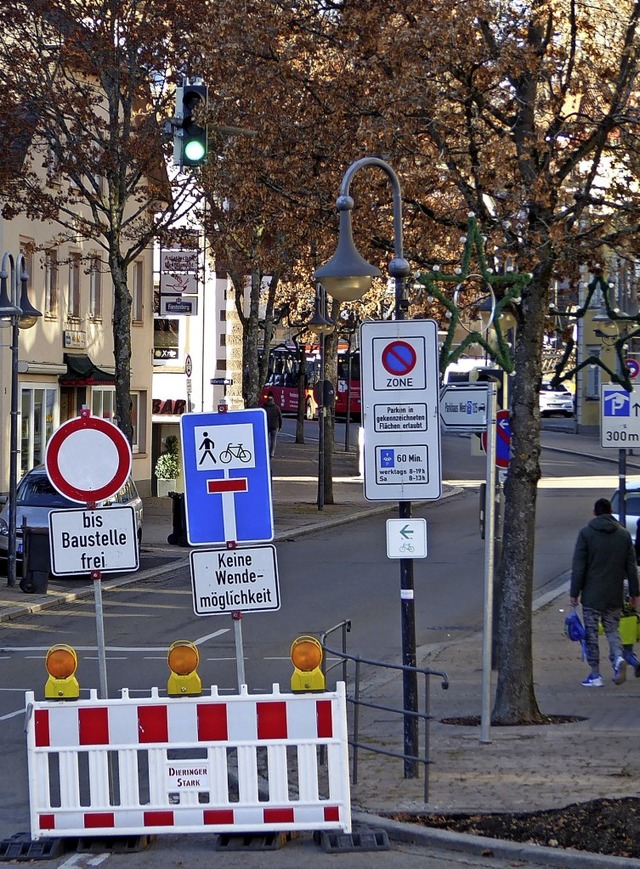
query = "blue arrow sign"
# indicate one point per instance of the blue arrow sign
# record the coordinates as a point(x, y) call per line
point(225, 463)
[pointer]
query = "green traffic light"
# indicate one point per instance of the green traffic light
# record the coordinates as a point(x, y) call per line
point(194, 150)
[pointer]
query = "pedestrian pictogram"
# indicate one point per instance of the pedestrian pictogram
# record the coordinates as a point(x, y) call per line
point(399, 357)
point(227, 477)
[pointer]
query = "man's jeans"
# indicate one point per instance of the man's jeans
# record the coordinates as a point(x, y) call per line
point(610, 622)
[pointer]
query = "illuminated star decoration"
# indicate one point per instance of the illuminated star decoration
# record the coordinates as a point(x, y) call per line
point(620, 376)
point(509, 288)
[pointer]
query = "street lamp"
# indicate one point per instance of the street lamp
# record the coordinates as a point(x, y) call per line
point(320, 325)
point(346, 277)
point(19, 313)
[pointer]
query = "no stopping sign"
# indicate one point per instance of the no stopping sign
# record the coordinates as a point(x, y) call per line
point(88, 459)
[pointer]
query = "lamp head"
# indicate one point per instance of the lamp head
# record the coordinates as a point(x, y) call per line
point(7, 310)
point(29, 315)
point(346, 276)
point(319, 324)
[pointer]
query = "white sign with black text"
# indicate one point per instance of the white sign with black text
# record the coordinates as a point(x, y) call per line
point(82, 541)
point(234, 580)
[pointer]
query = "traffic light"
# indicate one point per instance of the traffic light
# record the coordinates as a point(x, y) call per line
point(61, 663)
point(183, 658)
point(306, 657)
point(190, 138)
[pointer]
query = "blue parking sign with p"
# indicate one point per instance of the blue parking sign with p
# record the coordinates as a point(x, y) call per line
point(616, 402)
point(225, 462)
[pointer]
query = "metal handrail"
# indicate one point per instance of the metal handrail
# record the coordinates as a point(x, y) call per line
point(357, 702)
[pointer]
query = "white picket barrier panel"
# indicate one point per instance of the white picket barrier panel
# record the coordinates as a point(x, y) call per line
point(188, 764)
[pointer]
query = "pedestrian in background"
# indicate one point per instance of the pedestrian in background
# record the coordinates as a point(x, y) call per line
point(603, 558)
point(274, 421)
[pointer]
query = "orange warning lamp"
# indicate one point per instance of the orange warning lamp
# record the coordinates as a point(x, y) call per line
point(61, 663)
point(306, 656)
point(183, 659)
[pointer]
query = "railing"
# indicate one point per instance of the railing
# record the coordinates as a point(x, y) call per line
point(355, 700)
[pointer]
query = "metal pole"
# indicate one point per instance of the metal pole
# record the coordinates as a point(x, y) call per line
point(320, 501)
point(237, 634)
point(347, 420)
point(622, 487)
point(13, 454)
point(489, 524)
point(102, 649)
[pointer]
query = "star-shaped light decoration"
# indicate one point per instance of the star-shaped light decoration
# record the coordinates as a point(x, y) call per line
point(500, 292)
point(622, 375)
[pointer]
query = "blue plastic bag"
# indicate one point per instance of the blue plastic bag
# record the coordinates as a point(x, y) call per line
point(574, 629)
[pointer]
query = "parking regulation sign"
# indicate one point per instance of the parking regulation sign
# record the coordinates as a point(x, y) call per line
point(619, 416)
point(400, 402)
point(225, 462)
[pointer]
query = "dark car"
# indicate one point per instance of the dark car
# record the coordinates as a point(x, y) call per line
point(36, 497)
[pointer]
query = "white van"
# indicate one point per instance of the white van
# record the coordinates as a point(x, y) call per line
point(475, 370)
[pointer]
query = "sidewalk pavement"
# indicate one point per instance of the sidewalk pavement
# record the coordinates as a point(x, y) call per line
point(524, 768)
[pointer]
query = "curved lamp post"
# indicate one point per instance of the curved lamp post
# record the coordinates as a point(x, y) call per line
point(20, 314)
point(346, 277)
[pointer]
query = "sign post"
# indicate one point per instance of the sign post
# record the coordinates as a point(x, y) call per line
point(489, 564)
point(88, 459)
point(400, 396)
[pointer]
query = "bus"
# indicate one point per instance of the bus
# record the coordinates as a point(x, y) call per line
point(283, 374)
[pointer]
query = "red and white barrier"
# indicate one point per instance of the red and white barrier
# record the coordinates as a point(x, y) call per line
point(240, 763)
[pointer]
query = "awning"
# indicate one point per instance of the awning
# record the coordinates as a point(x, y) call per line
point(82, 372)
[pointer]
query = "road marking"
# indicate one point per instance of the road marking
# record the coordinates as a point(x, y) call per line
point(140, 649)
point(12, 714)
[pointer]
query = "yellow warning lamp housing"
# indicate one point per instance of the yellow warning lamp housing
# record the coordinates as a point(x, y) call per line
point(61, 662)
point(183, 659)
point(306, 657)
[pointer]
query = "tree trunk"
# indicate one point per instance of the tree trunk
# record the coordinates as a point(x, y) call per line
point(515, 700)
point(122, 343)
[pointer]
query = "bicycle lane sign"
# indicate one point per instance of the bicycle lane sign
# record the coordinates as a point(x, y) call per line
point(225, 464)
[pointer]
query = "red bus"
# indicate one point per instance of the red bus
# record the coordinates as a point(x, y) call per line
point(282, 380)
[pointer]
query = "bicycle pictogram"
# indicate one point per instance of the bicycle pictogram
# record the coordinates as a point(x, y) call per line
point(235, 451)
point(406, 547)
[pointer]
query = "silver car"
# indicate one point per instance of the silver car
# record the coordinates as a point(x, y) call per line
point(35, 497)
point(632, 505)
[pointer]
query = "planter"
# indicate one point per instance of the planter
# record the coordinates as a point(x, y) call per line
point(165, 486)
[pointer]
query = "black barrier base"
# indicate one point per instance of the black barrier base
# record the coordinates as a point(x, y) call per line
point(22, 847)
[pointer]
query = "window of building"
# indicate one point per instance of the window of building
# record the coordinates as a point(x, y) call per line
point(51, 283)
point(138, 292)
point(166, 340)
point(95, 288)
point(73, 302)
point(38, 420)
point(103, 402)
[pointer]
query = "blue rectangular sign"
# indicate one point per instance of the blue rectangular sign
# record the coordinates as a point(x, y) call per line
point(225, 463)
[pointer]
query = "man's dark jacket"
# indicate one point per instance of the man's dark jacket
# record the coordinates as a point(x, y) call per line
point(603, 558)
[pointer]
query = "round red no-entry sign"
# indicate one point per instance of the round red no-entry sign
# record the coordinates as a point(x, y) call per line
point(88, 459)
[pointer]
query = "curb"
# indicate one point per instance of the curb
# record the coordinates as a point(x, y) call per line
point(414, 834)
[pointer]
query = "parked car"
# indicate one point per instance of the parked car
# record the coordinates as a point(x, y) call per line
point(35, 497)
point(555, 401)
point(632, 506)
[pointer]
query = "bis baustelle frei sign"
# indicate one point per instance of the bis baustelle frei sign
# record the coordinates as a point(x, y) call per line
point(88, 460)
point(225, 462)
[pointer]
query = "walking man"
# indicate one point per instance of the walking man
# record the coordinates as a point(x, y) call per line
point(603, 558)
point(274, 421)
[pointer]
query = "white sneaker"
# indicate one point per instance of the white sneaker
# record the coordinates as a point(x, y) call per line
point(593, 680)
point(619, 671)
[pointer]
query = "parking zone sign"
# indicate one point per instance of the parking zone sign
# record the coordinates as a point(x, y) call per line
point(400, 403)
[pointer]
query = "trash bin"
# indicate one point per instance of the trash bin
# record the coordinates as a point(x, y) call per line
point(178, 536)
point(36, 565)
